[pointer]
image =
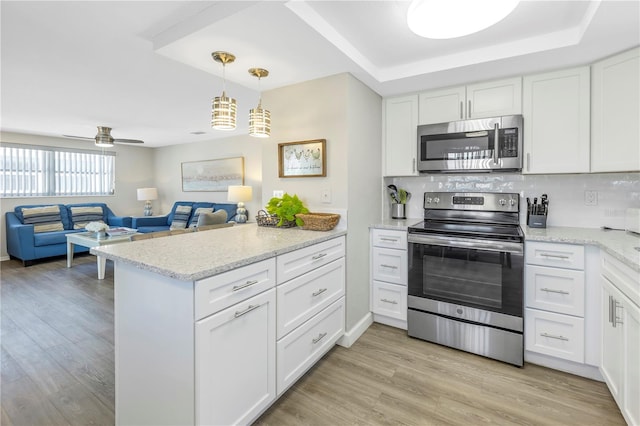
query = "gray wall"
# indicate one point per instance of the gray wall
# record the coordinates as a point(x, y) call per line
point(134, 169)
point(347, 114)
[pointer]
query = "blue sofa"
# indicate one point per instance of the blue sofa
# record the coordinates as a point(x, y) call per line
point(25, 244)
point(146, 224)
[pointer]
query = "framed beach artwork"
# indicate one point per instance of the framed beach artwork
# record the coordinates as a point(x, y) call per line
point(212, 175)
point(302, 159)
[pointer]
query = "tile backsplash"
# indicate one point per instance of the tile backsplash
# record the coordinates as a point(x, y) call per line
point(615, 193)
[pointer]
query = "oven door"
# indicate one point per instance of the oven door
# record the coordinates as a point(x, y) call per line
point(483, 274)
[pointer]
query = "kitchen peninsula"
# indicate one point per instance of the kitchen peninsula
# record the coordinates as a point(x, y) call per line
point(197, 338)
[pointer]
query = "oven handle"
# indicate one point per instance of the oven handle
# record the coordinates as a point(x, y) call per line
point(487, 245)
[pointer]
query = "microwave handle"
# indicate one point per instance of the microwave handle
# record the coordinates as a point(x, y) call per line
point(496, 142)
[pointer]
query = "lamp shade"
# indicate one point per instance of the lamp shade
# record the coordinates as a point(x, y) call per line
point(147, 194)
point(240, 193)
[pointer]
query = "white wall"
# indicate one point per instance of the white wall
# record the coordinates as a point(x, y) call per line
point(168, 170)
point(347, 114)
point(616, 192)
point(134, 169)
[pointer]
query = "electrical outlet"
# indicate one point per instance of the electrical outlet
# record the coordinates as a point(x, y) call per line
point(325, 196)
point(590, 198)
point(278, 193)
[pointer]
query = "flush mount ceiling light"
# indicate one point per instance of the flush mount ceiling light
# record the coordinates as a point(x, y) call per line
point(259, 118)
point(223, 109)
point(443, 19)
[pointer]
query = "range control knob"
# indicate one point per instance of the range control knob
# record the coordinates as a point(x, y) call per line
point(502, 201)
point(427, 200)
point(436, 200)
point(512, 202)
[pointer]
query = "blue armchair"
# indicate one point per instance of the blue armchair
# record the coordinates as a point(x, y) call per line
point(146, 224)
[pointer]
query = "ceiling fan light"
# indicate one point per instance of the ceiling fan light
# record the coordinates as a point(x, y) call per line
point(444, 19)
point(259, 122)
point(223, 113)
point(104, 140)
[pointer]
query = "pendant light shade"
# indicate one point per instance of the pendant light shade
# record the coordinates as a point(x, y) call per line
point(223, 108)
point(259, 118)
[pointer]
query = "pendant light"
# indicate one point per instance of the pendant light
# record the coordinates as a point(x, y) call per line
point(223, 109)
point(259, 118)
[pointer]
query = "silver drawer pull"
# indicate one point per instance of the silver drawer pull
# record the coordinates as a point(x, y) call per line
point(550, 290)
point(566, 339)
point(246, 311)
point(393, 302)
point(389, 266)
point(555, 256)
point(318, 256)
point(393, 240)
point(319, 292)
point(245, 285)
point(320, 337)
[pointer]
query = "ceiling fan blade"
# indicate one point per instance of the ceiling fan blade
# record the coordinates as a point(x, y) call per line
point(78, 137)
point(128, 141)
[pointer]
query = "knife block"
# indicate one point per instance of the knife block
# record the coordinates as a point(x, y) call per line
point(536, 220)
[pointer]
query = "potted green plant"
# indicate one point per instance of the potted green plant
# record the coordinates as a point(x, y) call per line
point(286, 208)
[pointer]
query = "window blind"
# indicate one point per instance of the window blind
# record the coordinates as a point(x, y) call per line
point(41, 171)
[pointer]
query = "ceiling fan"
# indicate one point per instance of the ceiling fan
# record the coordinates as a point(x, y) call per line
point(104, 139)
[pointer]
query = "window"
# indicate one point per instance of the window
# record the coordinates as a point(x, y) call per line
point(42, 171)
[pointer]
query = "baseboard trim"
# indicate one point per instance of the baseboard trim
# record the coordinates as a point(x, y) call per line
point(584, 370)
point(3, 258)
point(350, 336)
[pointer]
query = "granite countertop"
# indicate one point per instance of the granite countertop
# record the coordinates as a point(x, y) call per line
point(399, 224)
point(619, 244)
point(198, 255)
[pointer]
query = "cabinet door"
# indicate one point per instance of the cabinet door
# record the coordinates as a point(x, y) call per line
point(612, 349)
point(554, 289)
point(494, 98)
point(400, 145)
point(631, 362)
point(389, 300)
point(556, 110)
point(615, 128)
point(236, 362)
point(441, 106)
point(390, 265)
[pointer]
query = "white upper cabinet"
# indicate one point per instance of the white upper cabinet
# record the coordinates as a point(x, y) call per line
point(490, 99)
point(400, 144)
point(556, 111)
point(615, 127)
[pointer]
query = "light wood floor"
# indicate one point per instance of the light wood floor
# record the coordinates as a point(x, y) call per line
point(58, 368)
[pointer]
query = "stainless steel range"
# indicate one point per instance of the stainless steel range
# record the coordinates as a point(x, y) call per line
point(466, 274)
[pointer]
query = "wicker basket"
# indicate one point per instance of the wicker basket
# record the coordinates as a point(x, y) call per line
point(266, 219)
point(319, 221)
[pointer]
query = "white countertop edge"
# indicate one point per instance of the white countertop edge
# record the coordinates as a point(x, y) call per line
point(113, 252)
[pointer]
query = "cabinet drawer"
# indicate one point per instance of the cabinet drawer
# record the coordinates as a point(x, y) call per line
point(223, 290)
point(389, 238)
point(301, 348)
point(552, 334)
point(296, 263)
point(389, 300)
point(553, 254)
point(301, 298)
point(554, 289)
point(389, 265)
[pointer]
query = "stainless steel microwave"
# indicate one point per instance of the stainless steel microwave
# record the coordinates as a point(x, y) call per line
point(482, 145)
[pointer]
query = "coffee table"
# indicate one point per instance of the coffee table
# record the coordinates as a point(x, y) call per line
point(89, 239)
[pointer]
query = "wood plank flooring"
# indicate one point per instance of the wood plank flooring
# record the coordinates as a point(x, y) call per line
point(58, 368)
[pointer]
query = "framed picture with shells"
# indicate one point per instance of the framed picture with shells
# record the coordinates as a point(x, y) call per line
point(302, 159)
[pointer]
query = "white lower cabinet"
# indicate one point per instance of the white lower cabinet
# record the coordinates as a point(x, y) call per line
point(301, 348)
point(236, 362)
point(389, 277)
point(311, 308)
point(621, 336)
point(557, 335)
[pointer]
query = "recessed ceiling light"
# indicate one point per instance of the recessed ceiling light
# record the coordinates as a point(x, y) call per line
point(443, 19)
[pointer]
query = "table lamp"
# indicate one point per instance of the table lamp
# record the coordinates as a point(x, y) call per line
point(146, 195)
point(239, 194)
